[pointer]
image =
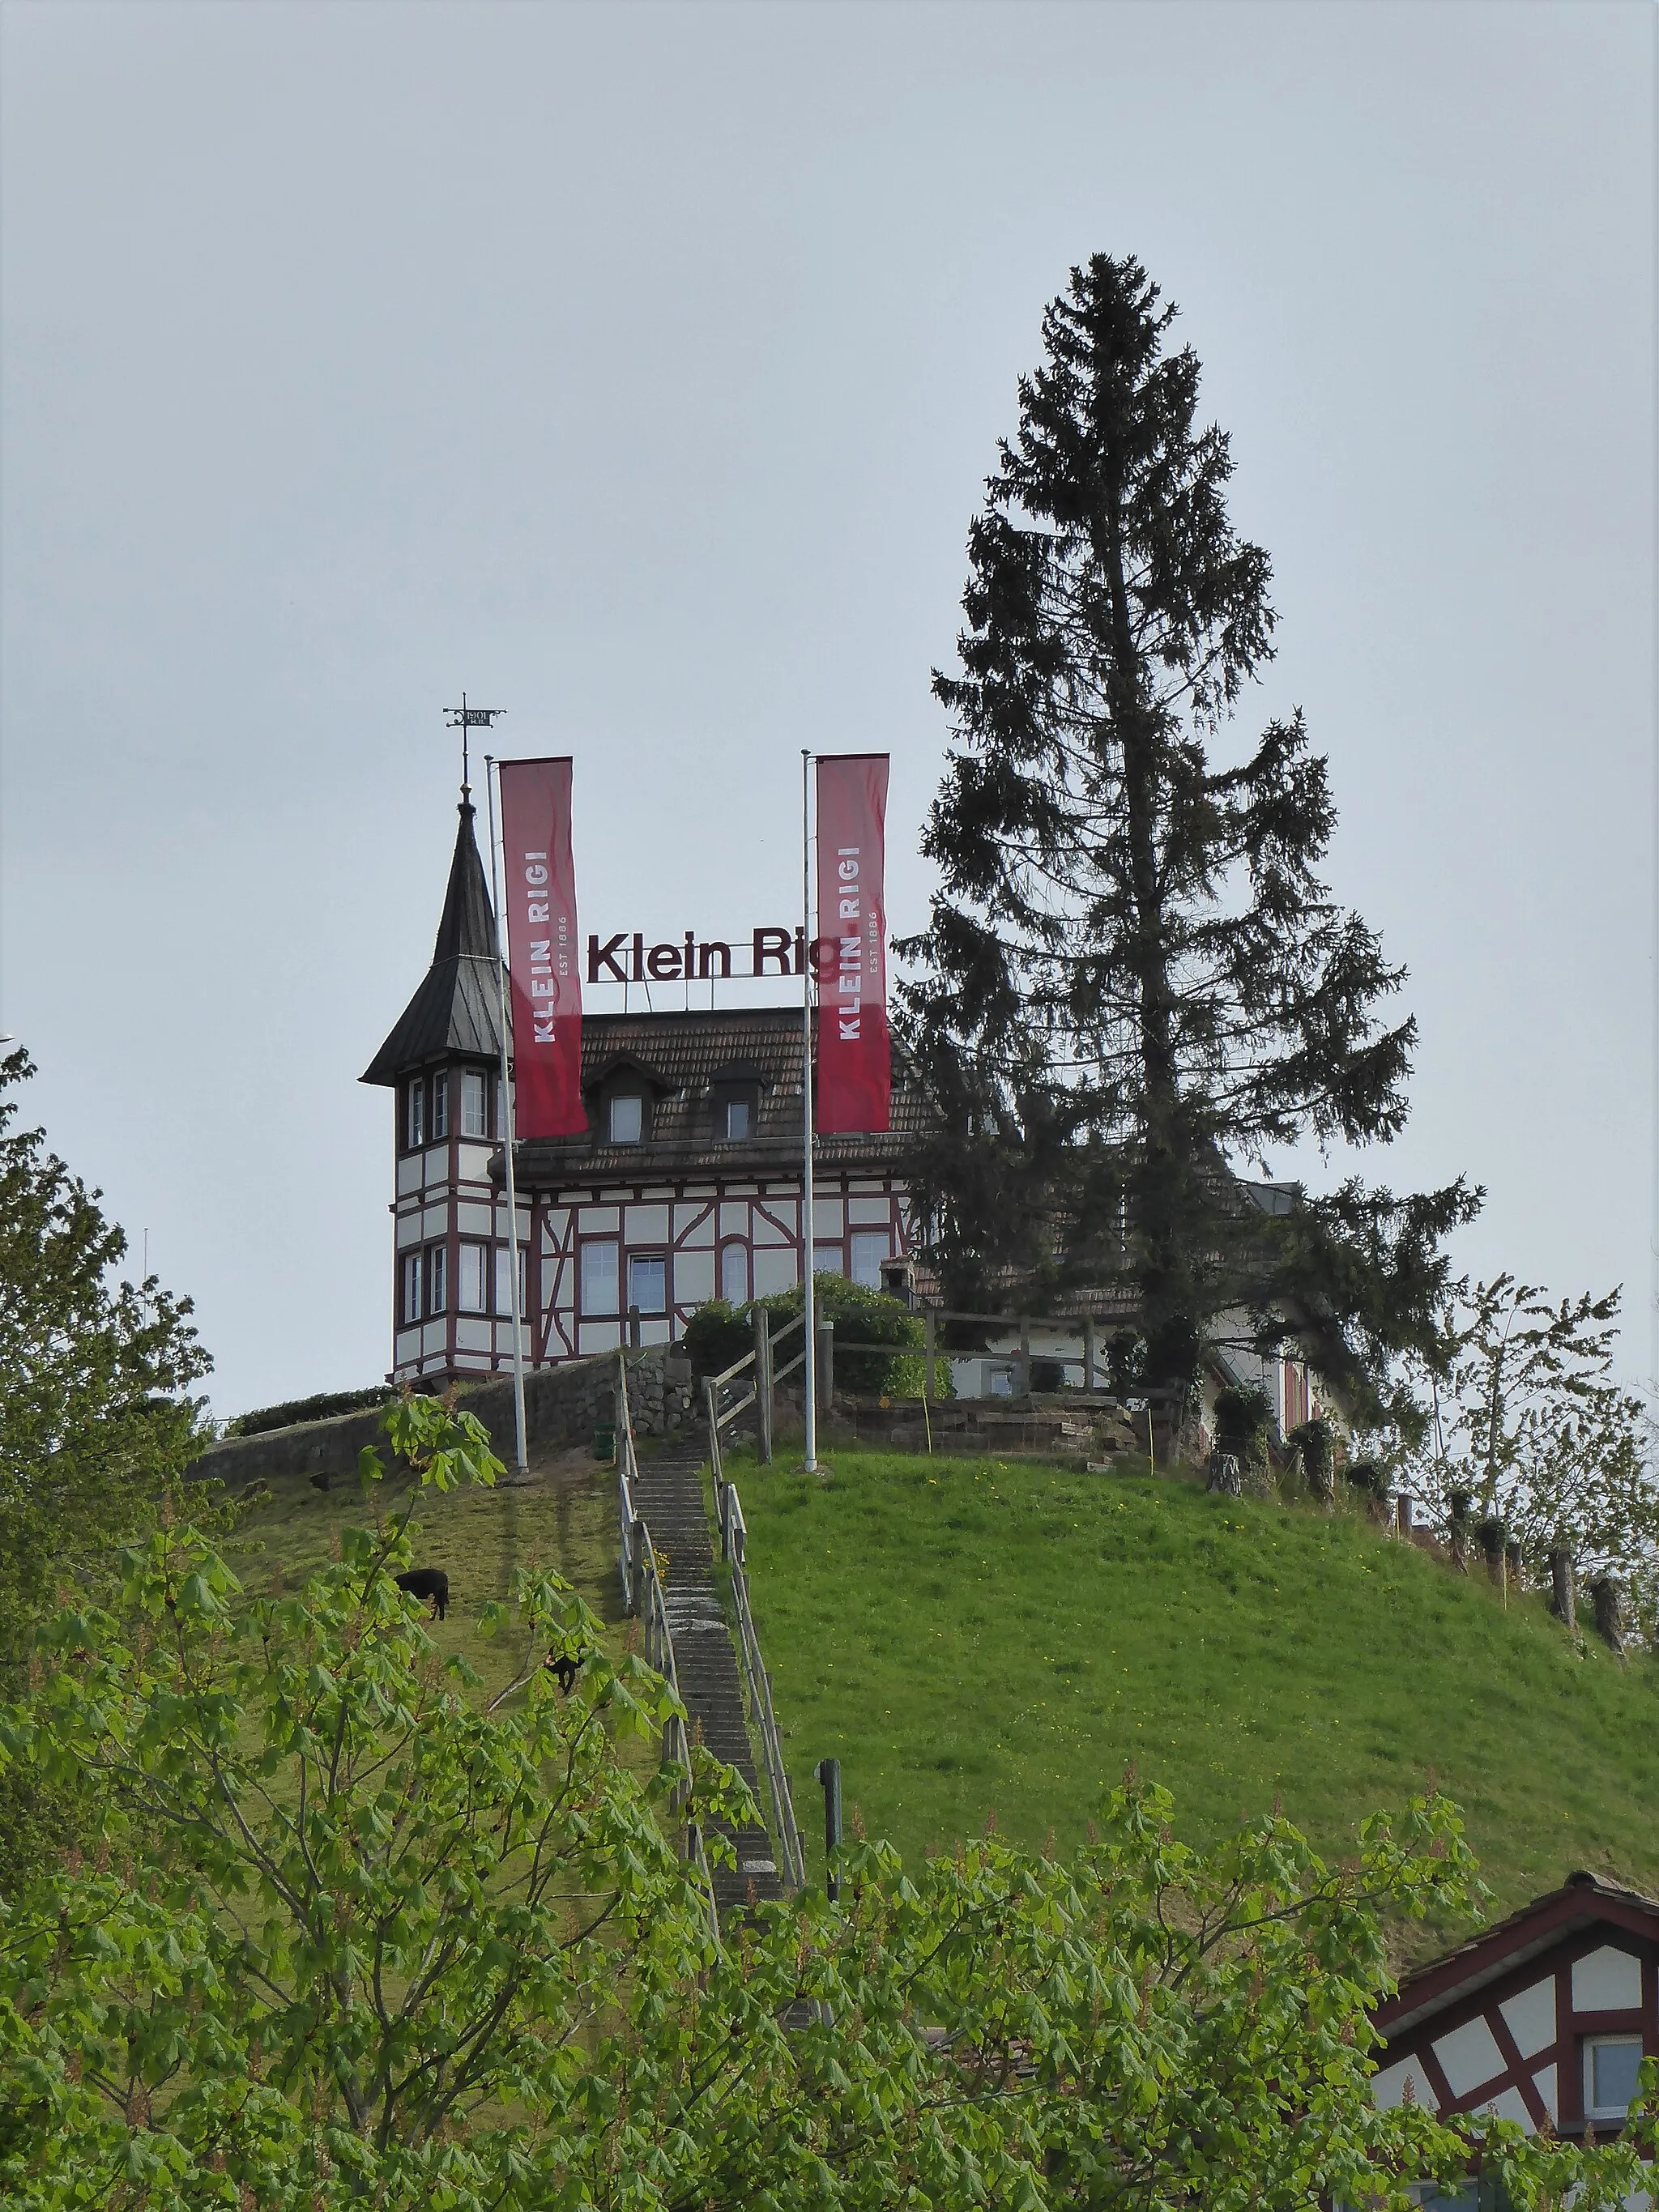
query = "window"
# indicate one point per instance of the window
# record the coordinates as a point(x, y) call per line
point(734, 1274)
point(504, 1282)
point(627, 1118)
point(598, 1278)
point(441, 1103)
point(475, 1121)
point(736, 1109)
point(870, 1248)
point(647, 1282)
point(469, 1285)
point(437, 1279)
point(1610, 2064)
point(415, 1113)
point(410, 1307)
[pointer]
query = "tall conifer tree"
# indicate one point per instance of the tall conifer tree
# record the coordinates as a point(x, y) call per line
point(1134, 981)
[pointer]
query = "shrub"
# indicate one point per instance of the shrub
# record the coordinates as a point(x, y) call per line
point(321, 1408)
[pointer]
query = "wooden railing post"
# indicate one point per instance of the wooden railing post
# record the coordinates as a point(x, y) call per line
point(1024, 1358)
point(826, 1365)
point(1088, 1352)
point(633, 1328)
point(929, 1329)
point(763, 1384)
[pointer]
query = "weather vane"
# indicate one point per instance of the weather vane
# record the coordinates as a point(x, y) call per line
point(464, 718)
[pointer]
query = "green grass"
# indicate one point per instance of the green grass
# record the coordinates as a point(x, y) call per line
point(568, 1521)
point(970, 1635)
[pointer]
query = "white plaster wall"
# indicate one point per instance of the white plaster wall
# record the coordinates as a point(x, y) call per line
point(1529, 2016)
point(1544, 2081)
point(1607, 1981)
point(1469, 2055)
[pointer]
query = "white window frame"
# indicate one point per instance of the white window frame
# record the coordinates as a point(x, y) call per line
point(744, 1107)
point(503, 1283)
point(647, 1259)
point(1631, 2041)
point(734, 1248)
point(475, 1103)
point(586, 1269)
point(622, 1098)
point(855, 1238)
point(472, 1279)
point(440, 1116)
point(410, 1290)
point(437, 1280)
point(414, 1114)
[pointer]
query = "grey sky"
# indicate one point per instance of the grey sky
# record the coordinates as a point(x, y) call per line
point(637, 369)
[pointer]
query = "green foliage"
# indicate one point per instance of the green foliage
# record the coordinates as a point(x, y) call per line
point(1243, 1423)
point(718, 1334)
point(318, 1407)
point(94, 1421)
point(966, 1634)
point(1134, 981)
point(396, 1948)
point(1534, 1431)
point(1315, 1444)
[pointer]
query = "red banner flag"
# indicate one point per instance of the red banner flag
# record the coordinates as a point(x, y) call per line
point(855, 1080)
point(543, 969)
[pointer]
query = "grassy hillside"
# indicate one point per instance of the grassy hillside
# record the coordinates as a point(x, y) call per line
point(970, 1635)
point(566, 1519)
point(966, 1635)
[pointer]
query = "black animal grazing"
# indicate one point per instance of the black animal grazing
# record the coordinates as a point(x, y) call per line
point(565, 1669)
point(431, 1584)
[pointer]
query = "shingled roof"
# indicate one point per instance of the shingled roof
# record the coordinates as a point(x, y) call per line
point(454, 1011)
point(682, 1057)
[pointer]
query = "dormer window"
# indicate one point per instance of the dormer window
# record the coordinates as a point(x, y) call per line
point(737, 1111)
point(625, 1118)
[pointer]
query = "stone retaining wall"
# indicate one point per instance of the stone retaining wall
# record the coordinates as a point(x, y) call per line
point(563, 1405)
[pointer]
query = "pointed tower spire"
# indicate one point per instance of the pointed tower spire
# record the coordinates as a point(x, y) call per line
point(454, 1010)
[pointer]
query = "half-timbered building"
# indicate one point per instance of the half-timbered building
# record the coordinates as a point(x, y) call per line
point(686, 1185)
point(1544, 2017)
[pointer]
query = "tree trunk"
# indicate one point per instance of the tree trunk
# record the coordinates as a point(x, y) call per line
point(1564, 1602)
point(1226, 1476)
point(1609, 1603)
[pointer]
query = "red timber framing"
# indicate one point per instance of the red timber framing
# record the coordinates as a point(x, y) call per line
point(1507, 2022)
point(599, 1247)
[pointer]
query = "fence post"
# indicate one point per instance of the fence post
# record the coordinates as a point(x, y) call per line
point(830, 1776)
point(762, 1384)
point(1088, 1352)
point(633, 1328)
point(1564, 1598)
point(929, 1329)
point(826, 1365)
point(1024, 1358)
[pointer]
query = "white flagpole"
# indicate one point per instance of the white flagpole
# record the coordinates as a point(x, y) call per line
point(811, 1369)
point(523, 1467)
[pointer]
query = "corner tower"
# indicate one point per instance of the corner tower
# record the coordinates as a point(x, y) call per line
point(452, 1291)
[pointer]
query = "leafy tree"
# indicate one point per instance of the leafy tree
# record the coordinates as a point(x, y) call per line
point(396, 1947)
point(1134, 981)
point(94, 1421)
point(1535, 1434)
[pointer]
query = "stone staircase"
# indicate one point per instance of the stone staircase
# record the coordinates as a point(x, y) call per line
point(668, 1498)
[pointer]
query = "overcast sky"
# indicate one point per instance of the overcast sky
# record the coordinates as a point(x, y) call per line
point(636, 368)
